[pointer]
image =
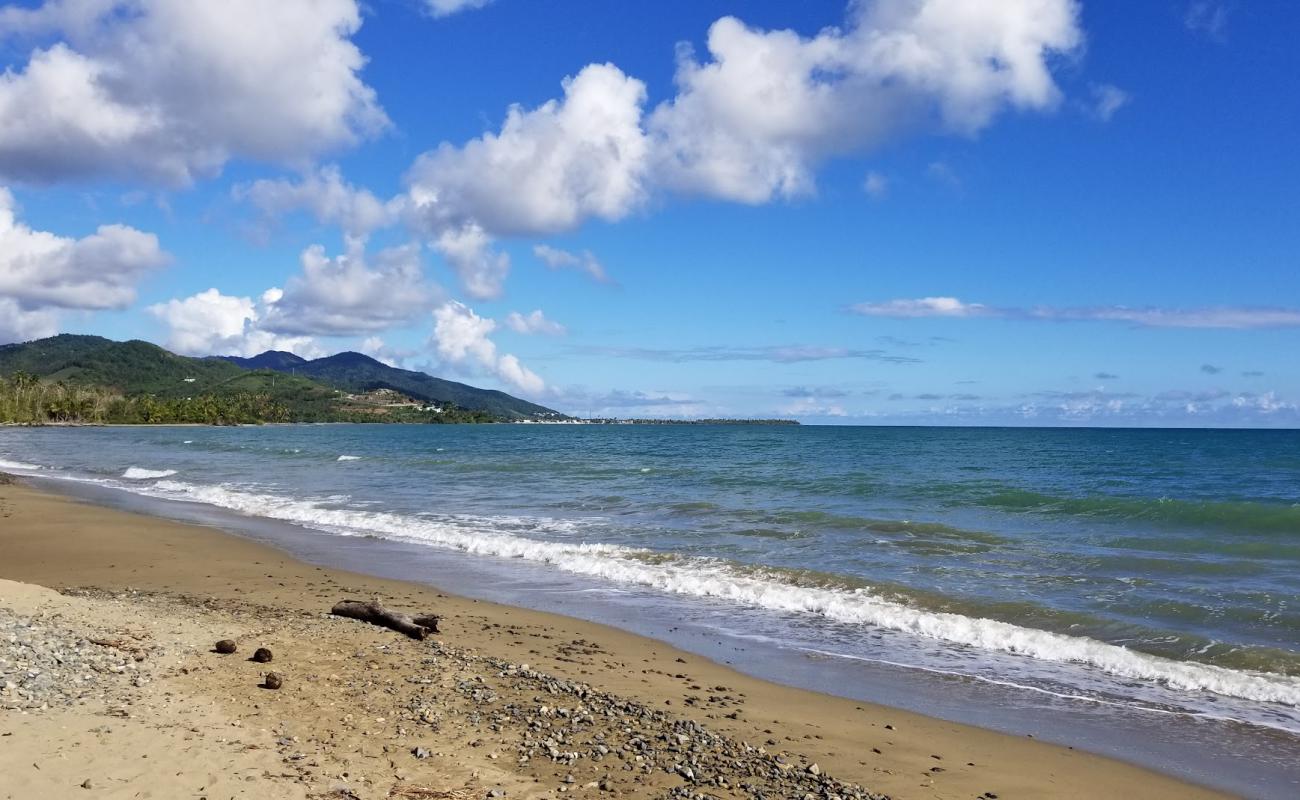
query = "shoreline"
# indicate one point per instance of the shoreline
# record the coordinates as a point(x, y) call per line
point(45, 541)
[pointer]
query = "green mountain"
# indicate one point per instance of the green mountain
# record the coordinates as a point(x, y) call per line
point(133, 367)
point(355, 372)
point(342, 387)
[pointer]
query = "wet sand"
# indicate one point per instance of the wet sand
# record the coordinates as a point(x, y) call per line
point(365, 712)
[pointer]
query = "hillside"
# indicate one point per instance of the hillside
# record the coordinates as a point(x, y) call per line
point(133, 367)
point(338, 388)
point(272, 359)
point(355, 372)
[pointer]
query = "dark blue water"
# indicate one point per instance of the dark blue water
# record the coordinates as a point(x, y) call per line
point(1151, 571)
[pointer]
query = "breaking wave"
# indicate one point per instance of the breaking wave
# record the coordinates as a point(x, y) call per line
point(712, 578)
point(138, 474)
point(18, 465)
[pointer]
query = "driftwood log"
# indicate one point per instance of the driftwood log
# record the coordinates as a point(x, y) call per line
point(373, 611)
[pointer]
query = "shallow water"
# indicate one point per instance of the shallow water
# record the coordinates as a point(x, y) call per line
point(1118, 576)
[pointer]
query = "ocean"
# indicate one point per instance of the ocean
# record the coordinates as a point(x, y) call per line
point(1132, 592)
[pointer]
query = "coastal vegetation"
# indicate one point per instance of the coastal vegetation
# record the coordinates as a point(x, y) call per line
point(27, 400)
point(90, 380)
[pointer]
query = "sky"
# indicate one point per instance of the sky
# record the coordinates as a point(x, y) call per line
point(966, 212)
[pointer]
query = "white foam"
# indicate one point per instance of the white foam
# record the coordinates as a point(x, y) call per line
point(138, 474)
point(19, 465)
point(709, 578)
point(349, 458)
point(188, 441)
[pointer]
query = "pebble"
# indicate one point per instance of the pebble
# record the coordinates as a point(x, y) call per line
point(44, 666)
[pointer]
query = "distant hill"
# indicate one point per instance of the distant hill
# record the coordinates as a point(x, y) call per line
point(356, 372)
point(133, 367)
point(307, 390)
point(277, 360)
point(137, 368)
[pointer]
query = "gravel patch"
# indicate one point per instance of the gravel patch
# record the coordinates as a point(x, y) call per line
point(44, 664)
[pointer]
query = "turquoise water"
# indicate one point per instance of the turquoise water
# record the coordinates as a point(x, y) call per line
point(1150, 569)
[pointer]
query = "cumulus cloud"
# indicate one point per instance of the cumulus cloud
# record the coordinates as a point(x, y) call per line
point(755, 119)
point(20, 325)
point(750, 122)
point(211, 323)
point(445, 8)
point(376, 348)
point(352, 293)
point(548, 168)
point(348, 294)
point(462, 338)
point(534, 322)
point(468, 251)
point(41, 271)
point(170, 90)
point(327, 196)
point(585, 262)
point(1149, 317)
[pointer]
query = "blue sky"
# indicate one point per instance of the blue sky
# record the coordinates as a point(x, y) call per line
point(888, 211)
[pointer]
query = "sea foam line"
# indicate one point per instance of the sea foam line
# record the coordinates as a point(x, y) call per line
point(19, 465)
point(140, 474)
point(706, 578)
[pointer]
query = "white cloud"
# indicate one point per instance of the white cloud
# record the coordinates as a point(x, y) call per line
point(20, 325)
point(1210, 317)
point(534, 322)
point(351, 293)
point(468, 251)
point(1266, 403)
point(42, 271)
point(876, 185)
point(324, 193)
point(755, 120)
point(1149, 317)
point(445, 8)
point(211, 323)
point(750, 123)
point(376, 348)
point(462, 338)
point(169, 90)
point(922, 307)
point(585, 261)
point(1108, 99)
point(548, 168)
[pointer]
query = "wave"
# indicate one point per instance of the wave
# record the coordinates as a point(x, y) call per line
point(711, 578)
point(19, 465)
point(138, 474)
point(348, 458)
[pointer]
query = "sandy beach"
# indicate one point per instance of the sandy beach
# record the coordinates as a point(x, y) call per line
point(117, 615)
